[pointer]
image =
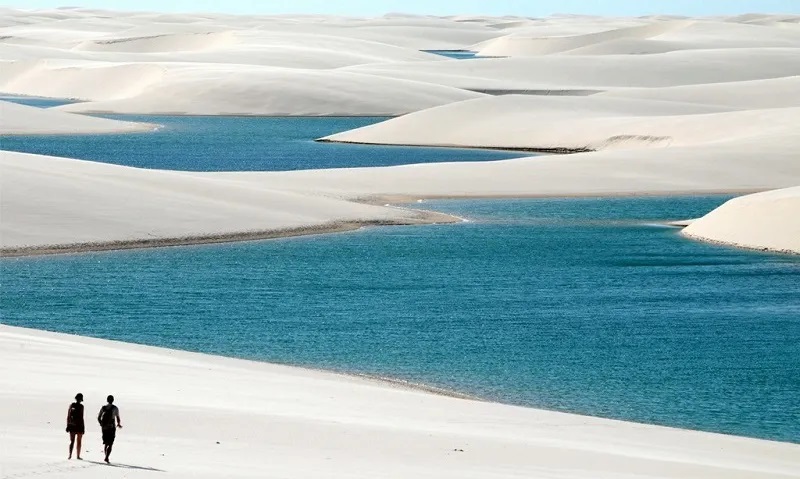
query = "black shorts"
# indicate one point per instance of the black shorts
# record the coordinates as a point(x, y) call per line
point(108, 435)
point(76, 428)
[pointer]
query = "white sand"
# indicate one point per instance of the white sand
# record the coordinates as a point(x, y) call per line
point(18, 119)
point(756, 94)
point(93, 203)
point(225, 65)
point(647, 38)
point(191, 415)
point(229, 90)
point(595, 122)
point(55, 201)
point(739, 165)
point(598, 72)
point(697, 119)
point(682, 106)
point(223, 89)
point(768, 221)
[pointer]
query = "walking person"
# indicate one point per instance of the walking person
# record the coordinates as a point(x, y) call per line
point(75, 425)
point(109, 420)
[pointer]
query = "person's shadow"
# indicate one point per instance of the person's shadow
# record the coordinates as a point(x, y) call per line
point(126, 466)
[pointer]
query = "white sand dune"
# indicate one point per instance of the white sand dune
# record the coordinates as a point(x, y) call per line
point(653, 37)
point(79, 80)
point(18, 119)
point(518, 45)
point(600, 72)
point(769, 221)
point(748, 164)
point(69, 53)
point(764, 19)
point(705, 123)
point(557, 26)
point(85, 202)
point(191, 415)
point(237, 65)
point(90, 204)
point(220, 89)
point(185, 42)
point(755, 94)
point(285, 50)
point(408, 32)
point(707, 116)
point(216, 90)
point(548, 123)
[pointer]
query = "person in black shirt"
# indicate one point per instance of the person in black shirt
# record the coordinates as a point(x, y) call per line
point(75, 425)
point(109, 420)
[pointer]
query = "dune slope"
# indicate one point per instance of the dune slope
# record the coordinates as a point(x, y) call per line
point(18, 119)
point(278, 421)
point(573, 123)
point(87, 205)
point(767, 221)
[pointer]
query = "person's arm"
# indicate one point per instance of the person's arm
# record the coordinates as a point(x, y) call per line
point(119, 420)
point(68, 410)
point(98, 416)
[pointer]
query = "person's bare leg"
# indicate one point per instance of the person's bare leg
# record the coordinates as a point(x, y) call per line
point(80, 436)
point(108, 452)
point(71, 443)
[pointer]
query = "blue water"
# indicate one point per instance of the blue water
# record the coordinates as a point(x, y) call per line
point(193, 143)
point(456, 54)
point(582, 305)
point(36, 101)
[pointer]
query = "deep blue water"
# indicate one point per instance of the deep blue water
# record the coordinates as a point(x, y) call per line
point(582, 305)
point(198, 143)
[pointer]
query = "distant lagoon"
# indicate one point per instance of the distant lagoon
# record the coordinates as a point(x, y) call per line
point(208, 143)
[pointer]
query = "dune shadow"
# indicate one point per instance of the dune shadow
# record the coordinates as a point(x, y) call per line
point(127, 466)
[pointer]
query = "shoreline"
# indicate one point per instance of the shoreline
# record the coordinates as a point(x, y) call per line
point(144, 128)
point(554, 150)
point(386, 381)
point(397, 383)
point(424, 217)
point(731, 244)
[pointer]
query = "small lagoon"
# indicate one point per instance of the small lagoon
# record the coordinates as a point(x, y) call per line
point(206, 143)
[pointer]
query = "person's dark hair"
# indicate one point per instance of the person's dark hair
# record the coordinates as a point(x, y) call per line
point(110, 398)
point(79, 397)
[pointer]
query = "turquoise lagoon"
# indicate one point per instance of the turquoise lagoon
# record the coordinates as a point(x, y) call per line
point(206, 143)
point(581, 305)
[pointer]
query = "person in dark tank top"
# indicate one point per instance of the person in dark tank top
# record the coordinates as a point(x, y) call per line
point(109, 420)
point(75, 424)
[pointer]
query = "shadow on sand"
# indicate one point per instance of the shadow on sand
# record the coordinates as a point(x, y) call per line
point(127, 466)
